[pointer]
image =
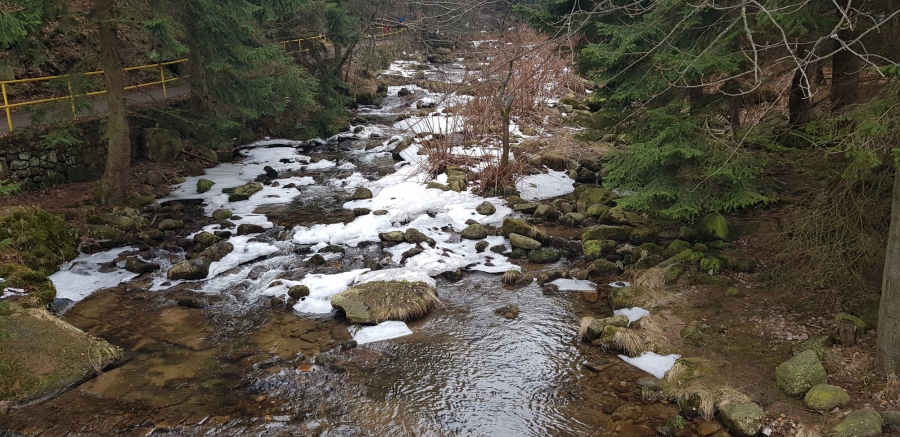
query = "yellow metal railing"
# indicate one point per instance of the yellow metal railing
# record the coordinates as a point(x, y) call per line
point(7, 106)
point(384, 35)
point(299, 42)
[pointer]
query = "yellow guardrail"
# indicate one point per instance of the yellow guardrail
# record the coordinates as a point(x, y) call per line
point(384, 35)
point(163, 80)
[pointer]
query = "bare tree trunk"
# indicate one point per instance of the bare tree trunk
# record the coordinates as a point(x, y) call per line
point(800, 97)
point(845, 67)
point(112, 189)
point(888, 343)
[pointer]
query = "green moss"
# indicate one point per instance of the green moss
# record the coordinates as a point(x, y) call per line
point(43, 240)
point(39, 288)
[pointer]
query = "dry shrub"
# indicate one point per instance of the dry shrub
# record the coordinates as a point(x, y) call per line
point(653, 278)
point(630, 342)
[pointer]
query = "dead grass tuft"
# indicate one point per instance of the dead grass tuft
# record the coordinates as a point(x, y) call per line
point(653, 278)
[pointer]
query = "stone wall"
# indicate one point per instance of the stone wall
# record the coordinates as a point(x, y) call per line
point(28, 158)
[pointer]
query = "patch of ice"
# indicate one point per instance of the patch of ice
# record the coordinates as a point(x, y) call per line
point(574, 285)
point(619, 284)
point(633, 314)
point(244, 252)
point(78, 278)
point(382, 331)
point(322, 288)
point(545, 186)
point(656, 365)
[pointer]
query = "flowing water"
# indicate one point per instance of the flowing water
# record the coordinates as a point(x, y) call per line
point(214, 358)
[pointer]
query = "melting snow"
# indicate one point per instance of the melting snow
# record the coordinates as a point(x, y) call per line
point(544, 186)
point(633, 314)
point(78, 278)
point(574, 285)
point(656, 365)
point(382, 331)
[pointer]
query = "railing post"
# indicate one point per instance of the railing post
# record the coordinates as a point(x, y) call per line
point(71, 98)
point(162, 78)
point(6, 107)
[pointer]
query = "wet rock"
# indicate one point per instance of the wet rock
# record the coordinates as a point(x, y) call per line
point(39, 290)
point(357, 212)
point(591, 329)
point(687, 234)
point(277, 302)
point(270, 172)
point(222, 214)
point(298, 291)
point(453, 275)
point(586, 176)
point(377, 301)
point(332, 248)
point(217, 251)
point(205, 239)
point(193, 269)
point(546, 213)
point(522, 242)
point(572, 219)
point(743, 419)
point(474, 232)
point(415, 236)
point(596, 210)
point(597, 249)
point(500, 248)
point(641, 236)
point(44, 355)
point(604, 267)
point(514, 200)
point(170, 225)
point(624, 297)
point(111, 236)
point(380, 212)
point(349, 344)
point(798, 374)
point(392, 237)
point(403, 92)
point(543, 256)
point(361, 194)
point(317, 260)
point(713, 227)
point(486, 208)
point(510, 311)
point(591, 195)
point(243, 192)
point(676, 247)
point(606, 232)
point(204, 185)
point(249, 228)
point(136, 265)
point(860, 423)
point(189, 302)
point(410, 253)
point(826, 397)
point(521, 227)
point(437, 186)
point(481, 246)
point(526, 208)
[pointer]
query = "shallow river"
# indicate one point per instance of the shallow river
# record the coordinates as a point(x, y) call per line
point(214, 358)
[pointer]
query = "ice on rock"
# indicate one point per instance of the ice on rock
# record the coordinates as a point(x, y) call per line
point(545, 186)
point(322, 288)
point(656, 365)
point(633, 314)
point(78, 278)
point(382, 331)
point(574, 285)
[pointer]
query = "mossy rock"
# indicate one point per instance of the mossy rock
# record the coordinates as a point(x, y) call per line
point(522, 242)
point(43, 355)
point(361, 194)
point(624, 297)
point(860, 325)
point(415, 236)
point(193, 269)
point(826, 397)
point(222, 214)
point(40, 290)
point(217, 251)
point(543, 256)
point(298, 291)
point(546, 213)
point(591, 195)
point(109, 234)
point(170, 225)
point(204, 185)
point(704, 279)
point(521, 227)
point(745, 265)
point(641, 236)
point(243, 192)
point(597, 249)
point(676, 247)
point(860, 423)
point(604, 267)
point(474, 232)
point(596, 210)
point(700, 247)
point(437, 186)
point(526, 208)
point(44, 241)
point(619, 216)
point(711, 265)
point(645, 250)
point(205, 239)
point(161, 145)
point(606, 232)
point(572, 219)
point(514, 200)
point(377, 301)
point(715, 226)
point(486, 208)
point(798, 374)
point(743, 419)
point(591, 329)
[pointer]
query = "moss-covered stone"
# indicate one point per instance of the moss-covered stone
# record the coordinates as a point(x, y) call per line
point(526, 208)
point(743, 419)
point(204, 185)
point(700, 247)
point(596, 210)
point(481, 246)
point(514, 200)
point(217, 251)
point(546, 213)
point(572, 219)
point(474, 232)
point(522, 242)
point(592, 329)
point(43, 356)
point(377, 301)
point(415, 236)
point(711, 265)
point(860, 423)
point(619, 216)
point(826, 397)
point(193, 269)
point(205, 239)
point(543, 256)
point(591, 195)
point(597, 249)
point(715, 226)
point(40, 290)
point(242, 192)
point(222, 214)
point(250, 228)
point(645, 250)
point(44, 241)
point(624, 297)
point(510, 311)
point(298, 291)
point(521, 227)
point(604, 267)
point(716, 245)
point(798, 374)
point(437, 186)
point(170, 225)
point(676, 247)
point(486, 208)
point(606, 232)
point(745, 265)
point(855, 321)
point(161, 145)
point(361, 194)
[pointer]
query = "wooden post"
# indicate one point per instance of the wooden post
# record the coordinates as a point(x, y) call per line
point(6, 107)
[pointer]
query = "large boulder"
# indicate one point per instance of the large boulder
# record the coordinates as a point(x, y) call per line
point(361, 194)
point(197, 268)
point(474, 232)
point(597, 249)
point(798, 374)
point(161, 145)
point(377, 301)
point(546, 213)
point(591, 195)
point(543, 256)
point(743, 419)
point(43, 355)
point(522, 242)
point(860, 423)
point(826, 397)
point(415, 236)
point(217, 251)
point(486, 208)
point(521, 227)
point(714, 226)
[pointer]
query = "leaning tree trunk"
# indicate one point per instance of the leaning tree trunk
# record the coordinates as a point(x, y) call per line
point(888, 343)
point(800, 96)
point(845, 68)
point(112, 188)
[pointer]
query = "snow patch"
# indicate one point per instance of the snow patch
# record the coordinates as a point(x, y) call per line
point(382, 331)
point(545, 186)
point(633, 314)
point(574, 285)
point(656, 365)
